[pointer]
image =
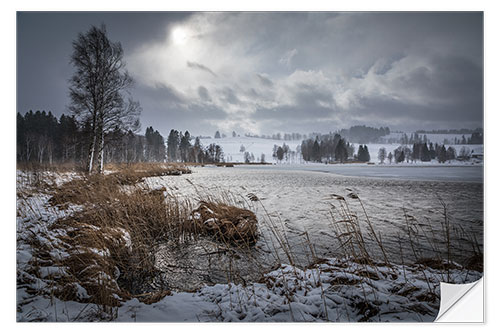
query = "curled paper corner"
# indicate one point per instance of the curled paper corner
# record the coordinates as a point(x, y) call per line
point(461, 303)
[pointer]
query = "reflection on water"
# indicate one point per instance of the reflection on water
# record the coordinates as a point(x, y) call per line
point(300, 200)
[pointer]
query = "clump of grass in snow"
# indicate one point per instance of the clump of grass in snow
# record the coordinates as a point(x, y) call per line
point(226, 222)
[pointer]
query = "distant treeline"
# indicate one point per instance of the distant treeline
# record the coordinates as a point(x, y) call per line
point(43, 138)
point(327, 148)
point(277, 136)
point(475, 138)
point(324, 148)
point(180, 149)
point(425, 152)
point(451, 131)
point(364, 134)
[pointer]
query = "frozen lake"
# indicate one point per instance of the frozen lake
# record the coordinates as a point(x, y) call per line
point(437, 172)
point(300, 199)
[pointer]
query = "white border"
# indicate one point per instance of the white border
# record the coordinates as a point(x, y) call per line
point(492, 58)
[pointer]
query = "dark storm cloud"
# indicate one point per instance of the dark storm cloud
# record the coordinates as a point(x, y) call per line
point(453, 89)
point(459, 80)
point(166, 109)
point(203, 93)
point(229, 96)
point(299, 113)
point(201, 67)
point(307, 95)
point(265, 80)
point(273, 71)
point(405, 115)
point(44, 46)
point(166, 95)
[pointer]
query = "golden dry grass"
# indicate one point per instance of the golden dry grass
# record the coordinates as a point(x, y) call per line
point(110, 244)
point(228, 223)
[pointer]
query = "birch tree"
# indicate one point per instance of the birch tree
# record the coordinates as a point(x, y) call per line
point(99, 90)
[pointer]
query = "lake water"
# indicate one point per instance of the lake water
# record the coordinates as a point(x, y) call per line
point(299, 199)
point(437, 172)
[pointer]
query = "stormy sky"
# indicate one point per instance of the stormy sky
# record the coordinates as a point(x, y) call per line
point(269, 72)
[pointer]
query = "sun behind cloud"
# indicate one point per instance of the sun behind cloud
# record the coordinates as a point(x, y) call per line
point(179, 36)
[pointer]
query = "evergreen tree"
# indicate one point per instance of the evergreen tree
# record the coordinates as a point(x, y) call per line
point(316, 155)
point(425, 153)
point(185, 146)
point(415, 154)
point(441, 153)
point(432, 151)
point(399, 154)
point(367, 154)
point(450, 153)
point(280, 153)
point(173, 146)
point(159, 144)
point(341, 151)
point(149, 135)
point(363, 154)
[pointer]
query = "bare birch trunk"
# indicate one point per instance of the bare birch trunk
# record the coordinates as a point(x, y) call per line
point(100, 157)
point(91, 153)
point(41, 150)
point(28, 149)
point(92, 144)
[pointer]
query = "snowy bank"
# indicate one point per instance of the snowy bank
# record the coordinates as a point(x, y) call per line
point(333, 290)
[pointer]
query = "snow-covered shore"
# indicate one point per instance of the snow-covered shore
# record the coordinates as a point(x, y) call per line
point(334, 290)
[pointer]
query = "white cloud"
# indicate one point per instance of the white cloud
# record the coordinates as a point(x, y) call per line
point(345, 61)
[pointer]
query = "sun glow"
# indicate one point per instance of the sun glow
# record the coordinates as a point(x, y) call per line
point(179, 36)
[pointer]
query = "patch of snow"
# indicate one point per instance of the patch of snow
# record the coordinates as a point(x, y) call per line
point(335, 290)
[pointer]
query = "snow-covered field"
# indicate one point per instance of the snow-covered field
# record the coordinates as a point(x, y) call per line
point(258, 146)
